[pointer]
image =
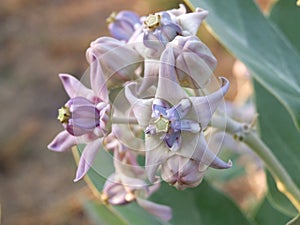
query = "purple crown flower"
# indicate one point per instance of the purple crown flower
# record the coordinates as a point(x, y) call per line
point(176, 130)
point(161, 28)
point(85, 117)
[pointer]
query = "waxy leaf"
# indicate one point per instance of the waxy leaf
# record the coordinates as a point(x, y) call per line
point(267, 214)
point(285, 15)
point(279, 200)
point(130, 214)
point(278, 132)
point(267, 52)
point(202, 205)
point(295, 221)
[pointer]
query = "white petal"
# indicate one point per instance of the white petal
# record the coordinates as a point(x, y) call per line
point(150, 74)
point(192, 21)
point(142, 108)
point(205, 106)
point(168, 86)
point(156, 153)
point(196, 68)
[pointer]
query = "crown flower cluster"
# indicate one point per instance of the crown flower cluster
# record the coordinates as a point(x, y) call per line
point(159, 68)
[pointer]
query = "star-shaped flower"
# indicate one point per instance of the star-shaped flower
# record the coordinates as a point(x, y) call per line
point(174, 123)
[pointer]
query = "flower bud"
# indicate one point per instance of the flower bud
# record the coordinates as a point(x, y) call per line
point(181, 172)
point(190, 59)
point(123, 24)
point(117, 59)
point(114, 193)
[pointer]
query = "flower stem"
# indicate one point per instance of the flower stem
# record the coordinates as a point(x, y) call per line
point(124, 120)
point(245, 133)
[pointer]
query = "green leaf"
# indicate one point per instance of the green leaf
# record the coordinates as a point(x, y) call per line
point(285, 15)
point(265, 50)
point(138, 216)
point(103, 215)
point(130, 214)
point(295, 221)
point(278, 132)
point(279, 200)
point(202, 206)
point(267, 214)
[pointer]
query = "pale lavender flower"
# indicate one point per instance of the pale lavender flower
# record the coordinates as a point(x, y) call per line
point(85, 117)
point(169, 122)
point(127, 184)
point(117, 59)
point(122, 25)
point(162, 27)
point(122, 190)
point(190, 116)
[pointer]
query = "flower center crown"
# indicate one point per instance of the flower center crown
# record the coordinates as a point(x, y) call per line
point(152, 21)
point(64, 114)
point(162, 125)
point(111, 18)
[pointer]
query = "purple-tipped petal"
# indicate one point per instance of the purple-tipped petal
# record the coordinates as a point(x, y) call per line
point(87, 157)
point(161, 211)
point(62, 142)
point(186, 125)
point(173, 141)
point(205, 106)
point(140, 107)
point(192, 21)
point(218, 163)
point(74, 87)
point(159, 107)
point(179, 110)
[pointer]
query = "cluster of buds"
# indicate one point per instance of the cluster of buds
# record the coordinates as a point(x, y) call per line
point(157, 67)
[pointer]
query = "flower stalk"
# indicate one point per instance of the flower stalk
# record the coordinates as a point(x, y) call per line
point(245, 132)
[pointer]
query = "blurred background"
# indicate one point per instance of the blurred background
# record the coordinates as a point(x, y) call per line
point(38, 40)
